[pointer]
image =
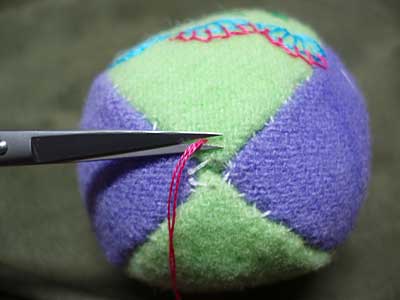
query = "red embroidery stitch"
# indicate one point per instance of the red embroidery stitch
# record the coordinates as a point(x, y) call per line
point(176, 174)
point(250, 28)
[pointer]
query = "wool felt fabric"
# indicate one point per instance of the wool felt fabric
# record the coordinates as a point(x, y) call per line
point(138, 185)
point(189, 79)
point(282, 193)
point(309, 167)
point(221, 242)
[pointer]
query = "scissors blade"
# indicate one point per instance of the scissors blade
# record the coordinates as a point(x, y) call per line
point(175, 149)
point(41, 147)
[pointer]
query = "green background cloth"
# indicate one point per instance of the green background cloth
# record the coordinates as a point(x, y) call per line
point(49, 53)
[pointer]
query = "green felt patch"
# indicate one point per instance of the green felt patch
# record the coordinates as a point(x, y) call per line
point(222, 242)
point(233, 86)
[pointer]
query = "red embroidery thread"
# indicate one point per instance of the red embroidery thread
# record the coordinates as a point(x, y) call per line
point(250, 28)
point(173, 196)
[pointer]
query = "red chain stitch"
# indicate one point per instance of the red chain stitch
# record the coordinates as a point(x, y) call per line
point(175, 181)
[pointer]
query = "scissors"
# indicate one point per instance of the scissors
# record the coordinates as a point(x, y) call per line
point(48, 147)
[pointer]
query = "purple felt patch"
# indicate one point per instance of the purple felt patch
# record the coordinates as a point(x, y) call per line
point(126, 199)
point(309, 167)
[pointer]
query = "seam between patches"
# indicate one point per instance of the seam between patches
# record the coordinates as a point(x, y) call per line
point(154, 127)
point(296, 45)
point(230, 164)
point(192, 177)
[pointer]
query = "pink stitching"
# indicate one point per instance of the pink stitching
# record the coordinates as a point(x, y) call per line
point(250, 28)
point(176, 174)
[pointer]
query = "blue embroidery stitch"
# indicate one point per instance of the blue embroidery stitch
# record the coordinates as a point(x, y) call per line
point(296, 45)
point(127, 55)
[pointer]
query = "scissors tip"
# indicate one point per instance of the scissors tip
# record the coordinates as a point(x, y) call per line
point(208, 134)
point(191, 135)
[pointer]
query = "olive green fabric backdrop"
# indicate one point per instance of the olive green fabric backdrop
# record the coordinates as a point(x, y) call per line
point(49, 53)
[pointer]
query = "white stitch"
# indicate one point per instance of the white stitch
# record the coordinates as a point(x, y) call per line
point(226, 176)
point(265, 214)
point(155, 126)
point(348, 79)
point(194, 182)
point(193, 170)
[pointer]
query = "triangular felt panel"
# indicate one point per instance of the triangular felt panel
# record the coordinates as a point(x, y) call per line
point(223, 242)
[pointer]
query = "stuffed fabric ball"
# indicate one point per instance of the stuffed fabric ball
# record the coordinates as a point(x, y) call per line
point(285, 189)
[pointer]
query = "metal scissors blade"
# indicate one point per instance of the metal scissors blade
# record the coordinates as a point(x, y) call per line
point(175, 149)
point(44, 147)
